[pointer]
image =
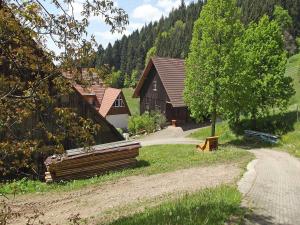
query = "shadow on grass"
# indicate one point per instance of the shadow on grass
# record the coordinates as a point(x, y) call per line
point(274, 124)
point(248, 143)
point(252, 217)
point(142, 163)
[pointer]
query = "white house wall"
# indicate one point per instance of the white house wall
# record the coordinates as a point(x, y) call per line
point(119, 120)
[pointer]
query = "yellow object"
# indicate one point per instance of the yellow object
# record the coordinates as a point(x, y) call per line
point(210, 144)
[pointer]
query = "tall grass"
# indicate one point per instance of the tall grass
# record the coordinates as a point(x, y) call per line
point(210, 206)
point(291, 141)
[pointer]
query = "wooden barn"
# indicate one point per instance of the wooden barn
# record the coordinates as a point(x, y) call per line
point(160, 88)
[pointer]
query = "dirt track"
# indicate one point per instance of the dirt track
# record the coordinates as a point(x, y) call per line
point(93, 202)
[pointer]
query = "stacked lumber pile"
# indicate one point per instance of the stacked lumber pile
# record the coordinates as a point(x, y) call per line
point(99, 159)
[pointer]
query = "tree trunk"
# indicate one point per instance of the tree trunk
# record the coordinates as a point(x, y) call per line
point(213, 122)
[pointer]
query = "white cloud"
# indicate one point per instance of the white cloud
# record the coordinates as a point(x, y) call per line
point(133, 26)
point(147, 13)
point(168, 5)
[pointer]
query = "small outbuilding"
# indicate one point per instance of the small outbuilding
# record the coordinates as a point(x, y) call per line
point(161, 86)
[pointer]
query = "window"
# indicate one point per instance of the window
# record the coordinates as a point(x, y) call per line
point(154, 85)
point(119, 102)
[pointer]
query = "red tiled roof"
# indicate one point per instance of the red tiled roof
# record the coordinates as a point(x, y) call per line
point(105, 96)
point(109, 98)
point(172, 74)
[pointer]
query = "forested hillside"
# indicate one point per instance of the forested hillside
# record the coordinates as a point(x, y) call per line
point(171, 36)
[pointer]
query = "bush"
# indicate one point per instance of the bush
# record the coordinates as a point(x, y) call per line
point(148, 122)
point(159, 118)
point(140, 124)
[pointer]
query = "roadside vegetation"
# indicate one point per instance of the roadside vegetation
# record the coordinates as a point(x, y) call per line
point(209, 206)
point(146, 123)
point(152, 160)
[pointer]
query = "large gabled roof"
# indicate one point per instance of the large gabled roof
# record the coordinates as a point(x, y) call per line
point(172, 74)
point(105, 96)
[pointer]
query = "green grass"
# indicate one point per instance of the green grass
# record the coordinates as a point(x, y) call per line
point(152, 160)
point(133, 103)
point(290, 142)
point(210, 206)
point(293, 70)
point(222, 130)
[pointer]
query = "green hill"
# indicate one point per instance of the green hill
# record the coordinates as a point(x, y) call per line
point(293, 70)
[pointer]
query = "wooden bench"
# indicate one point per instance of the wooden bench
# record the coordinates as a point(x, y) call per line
point(262, 136)
point(210, 144)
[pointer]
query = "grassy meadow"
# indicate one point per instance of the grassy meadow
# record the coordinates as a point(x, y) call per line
point(152, 160)
point(208, 206)
point(133, 103)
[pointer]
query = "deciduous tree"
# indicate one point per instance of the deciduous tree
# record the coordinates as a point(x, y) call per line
point(214, 35)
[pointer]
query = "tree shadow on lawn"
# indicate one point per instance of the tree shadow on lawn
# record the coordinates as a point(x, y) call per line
point(142, 163)
point(248, 143)
point(278, 124)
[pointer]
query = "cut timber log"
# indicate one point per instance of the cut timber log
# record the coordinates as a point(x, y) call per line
point(96, 160)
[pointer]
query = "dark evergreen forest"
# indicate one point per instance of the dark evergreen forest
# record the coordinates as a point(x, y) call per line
point(171, 36)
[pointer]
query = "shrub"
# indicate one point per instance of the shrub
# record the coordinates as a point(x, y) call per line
point(159, 118)
point(140, 124)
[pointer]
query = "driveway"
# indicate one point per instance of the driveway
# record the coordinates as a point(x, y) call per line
point(94, 203)
point(271, 188)
point(169, 135)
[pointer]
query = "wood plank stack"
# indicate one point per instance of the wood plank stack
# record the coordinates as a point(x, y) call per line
point(96, 160)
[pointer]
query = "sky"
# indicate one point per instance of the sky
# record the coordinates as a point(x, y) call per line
point(140, 12)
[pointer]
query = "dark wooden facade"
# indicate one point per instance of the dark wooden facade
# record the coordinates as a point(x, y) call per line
point(154, 97)
point(107, 132)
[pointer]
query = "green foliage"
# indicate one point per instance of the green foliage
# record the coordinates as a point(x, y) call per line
point(151, 160)
point(140, 124)
point(151, 53)
point(35, 123)
point(253, 10)
point(130, 81)
point(172, 43)
point(207, 64)
point(298, 43)
point(259, 84)
point(148, 122)
point(115, 79)
point(283, 18)
point(208, 206)
point(131, 51)
point(159, 118)
point(223, 131)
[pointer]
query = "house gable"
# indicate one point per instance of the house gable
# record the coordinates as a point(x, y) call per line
point(119, 110)
point(172, 75)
